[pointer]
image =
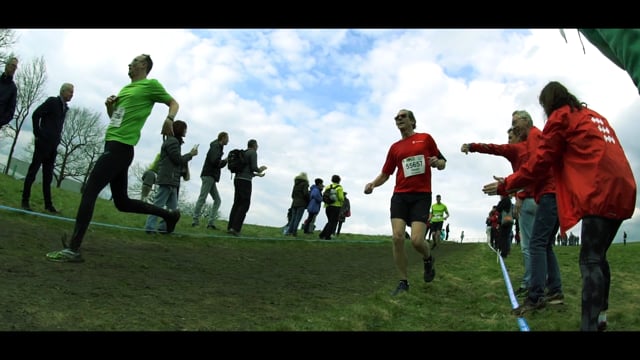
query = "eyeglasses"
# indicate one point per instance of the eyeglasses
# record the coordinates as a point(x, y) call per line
point(400, 116)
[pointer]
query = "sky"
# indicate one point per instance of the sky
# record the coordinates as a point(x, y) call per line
point(322, 101)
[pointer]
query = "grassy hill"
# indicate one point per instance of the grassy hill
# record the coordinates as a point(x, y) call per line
point(202, 280)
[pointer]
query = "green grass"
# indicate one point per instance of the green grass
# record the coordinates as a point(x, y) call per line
point(203, 280)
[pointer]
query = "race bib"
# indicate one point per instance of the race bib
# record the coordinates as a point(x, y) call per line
point(413, 165)
point(116, 117)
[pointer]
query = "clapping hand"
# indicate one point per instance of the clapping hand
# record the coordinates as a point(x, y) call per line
point(492, 188)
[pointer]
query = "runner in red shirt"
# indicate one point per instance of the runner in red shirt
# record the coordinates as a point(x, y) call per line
point(413, 156)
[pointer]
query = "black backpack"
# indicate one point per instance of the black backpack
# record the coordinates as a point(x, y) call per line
point(235, 160)
point(330, 195)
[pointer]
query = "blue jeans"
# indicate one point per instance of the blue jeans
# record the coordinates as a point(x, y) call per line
point(165, 195)
point(296, 216)
point(525, 219)
point(544, 264)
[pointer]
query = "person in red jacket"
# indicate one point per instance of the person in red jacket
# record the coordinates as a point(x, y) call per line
point(594, 184)
point(517, 152)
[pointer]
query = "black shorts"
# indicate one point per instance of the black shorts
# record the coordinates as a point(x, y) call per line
point(436, 226)
point(410, 207)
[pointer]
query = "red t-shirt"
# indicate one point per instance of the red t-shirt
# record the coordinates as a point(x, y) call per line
point(411, 157)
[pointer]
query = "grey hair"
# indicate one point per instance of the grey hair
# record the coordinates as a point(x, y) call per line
point(66, 86)
point(523, 114)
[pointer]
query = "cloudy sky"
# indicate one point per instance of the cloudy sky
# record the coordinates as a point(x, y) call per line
point(322, 101)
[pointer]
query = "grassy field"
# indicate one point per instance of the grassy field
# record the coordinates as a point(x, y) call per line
point(203, 280)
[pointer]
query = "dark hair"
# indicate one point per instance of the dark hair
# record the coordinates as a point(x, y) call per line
point(555, 95)
point(147, 59)
point(318, 181)
point(252, 143)
point(179, 129)
point(222, 135)
point(335, 179)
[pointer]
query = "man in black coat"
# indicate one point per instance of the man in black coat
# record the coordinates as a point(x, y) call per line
point(48, 120)
point(8, 91)
point(209, 176)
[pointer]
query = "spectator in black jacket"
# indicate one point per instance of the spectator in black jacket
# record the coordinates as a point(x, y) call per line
point(505, 227)
point(209, 176)
point(8, 91)
point(243, 188)
point(48, 121)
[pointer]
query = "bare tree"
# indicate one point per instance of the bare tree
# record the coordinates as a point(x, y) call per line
point(8, 38)
point(81, 143)
point(136, 170)
point(30, 81)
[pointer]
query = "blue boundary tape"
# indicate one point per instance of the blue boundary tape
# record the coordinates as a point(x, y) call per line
point(522, 322)
point(224, 235)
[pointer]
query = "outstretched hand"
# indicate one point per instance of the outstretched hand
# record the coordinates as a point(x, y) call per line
point(465, 148)
point(492, 188)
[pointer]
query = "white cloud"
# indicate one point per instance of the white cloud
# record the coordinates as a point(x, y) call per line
point(322, 101)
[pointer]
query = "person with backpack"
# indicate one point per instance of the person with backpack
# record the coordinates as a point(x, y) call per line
point(315, 202)
point(332, 207)
point(242, 187)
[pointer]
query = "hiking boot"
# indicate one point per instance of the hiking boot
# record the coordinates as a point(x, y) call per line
point(429, 270)
point(602, 325)
point(212, 227)
point(64, 255)
point(233, 232)
point(402, 287)
point(522, 292)
point(25, 206)
point(529, 305)
point(194, 224)
point(555, 298)
point(172, 220)
point(51, 209)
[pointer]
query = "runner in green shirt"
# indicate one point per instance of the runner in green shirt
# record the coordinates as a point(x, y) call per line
point(128, 113)
point(439, 213)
